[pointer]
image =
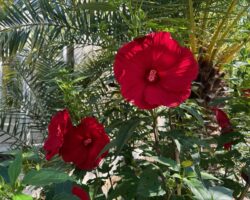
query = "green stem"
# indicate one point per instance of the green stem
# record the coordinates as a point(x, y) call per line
point(177, 153)
point(192, 27)
point(155, 131)
point(244, 192)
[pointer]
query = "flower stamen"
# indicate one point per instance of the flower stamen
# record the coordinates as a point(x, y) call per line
point(87, 142)
point(152, 76)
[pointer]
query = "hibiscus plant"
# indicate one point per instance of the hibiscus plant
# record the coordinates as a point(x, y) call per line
point(124, 100)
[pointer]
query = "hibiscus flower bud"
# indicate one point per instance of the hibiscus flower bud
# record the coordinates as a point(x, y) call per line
point(222, 118)
point(155, 70)
point(81, 193)
point(225, 124)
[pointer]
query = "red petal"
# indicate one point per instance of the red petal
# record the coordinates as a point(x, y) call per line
point(73, 149)
point(85, 156)
point(227, 146)
point(59, 126)
point(182, 74)
point(160, 96)
point(164, 44)
point(222, 118)
point(135, 94)
point(79, 192)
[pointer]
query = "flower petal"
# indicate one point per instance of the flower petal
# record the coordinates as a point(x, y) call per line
point(59, 126)
point(79, 192)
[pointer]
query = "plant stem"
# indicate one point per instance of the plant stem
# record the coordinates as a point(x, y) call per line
point(244, 192)
point(155, 131)
point(192, 26)
point(177, 153)
point(110, 180)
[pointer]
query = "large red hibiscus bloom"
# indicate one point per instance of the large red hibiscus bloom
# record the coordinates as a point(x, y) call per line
point(83, 144)
point(59, 125)
point(155, 70)
point(224, 123)
point(79, 192)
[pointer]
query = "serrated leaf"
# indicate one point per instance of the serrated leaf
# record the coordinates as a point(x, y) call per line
point(15, 169)
point(45, 177)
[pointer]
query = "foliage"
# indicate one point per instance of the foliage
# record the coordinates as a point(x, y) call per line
point(187, 162)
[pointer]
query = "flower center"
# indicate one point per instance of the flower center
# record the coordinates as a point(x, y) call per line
point(152, 76)
point(87, 142)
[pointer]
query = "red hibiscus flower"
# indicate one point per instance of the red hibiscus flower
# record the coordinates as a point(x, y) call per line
point(224, 123)
point(79, 192)
point(80, 145)
point(155, 70)
point(59, 125)
point(83, 144)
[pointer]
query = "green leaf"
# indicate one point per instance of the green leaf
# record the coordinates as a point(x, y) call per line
point(149, 184)
point(217, 101)
point(4, 174)
point(167, 162)
point(15, 169)
point(65, 196)
point(207, 176)
point(123, 136)
point(234, 185)
point(189, 172)
point(221, 193)
point(198, 189)
point(45, 177)
point(103, 6)
point(107, 147)
point(234, 137)
point(186, 163)
point(194, 113)
point(22, 197)
point(125, 132)
point(125, 188)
